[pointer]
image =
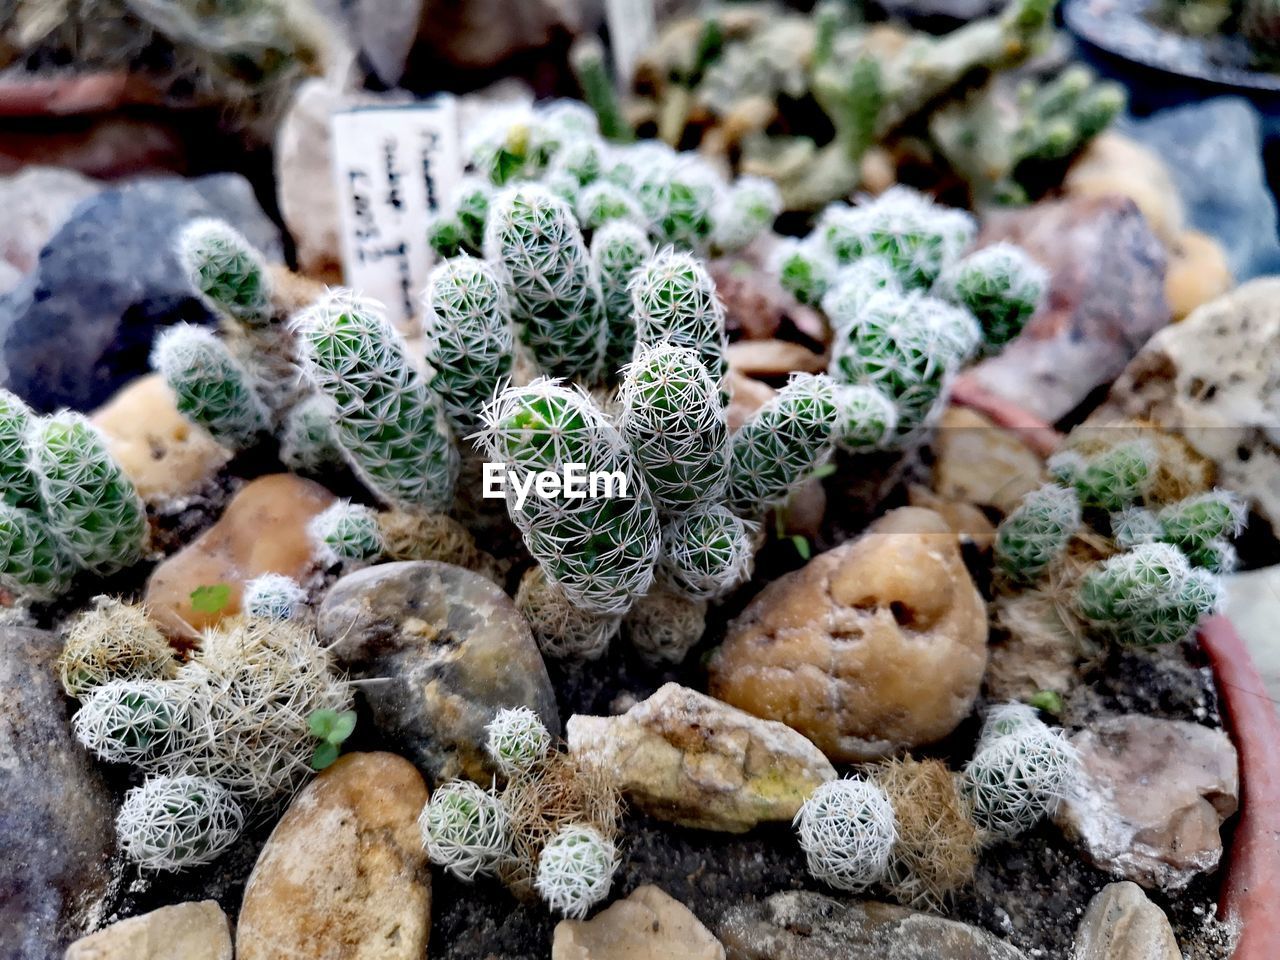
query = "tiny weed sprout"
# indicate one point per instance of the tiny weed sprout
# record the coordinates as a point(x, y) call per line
point(211, 597)
point(847, 832)
point(465, 829)
point(331, 728)
point(517, 740)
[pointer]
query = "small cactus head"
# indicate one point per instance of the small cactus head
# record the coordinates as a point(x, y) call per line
point(804, 269)
point(1197, 521)
point(1000, 285)
point(852, 285)
point(868, 419)
point(745, 211)
point(130, 721)
point(1036, 533)
point(227, 271)
point(465, 829)
point(112, 641)
point(172, 823)
point(847, 832)
point(274, 596)
point(346, 533)
point(708, 551)
point(517, 740)
point(1111, 480)
point(1017, 778)
point(575, 870)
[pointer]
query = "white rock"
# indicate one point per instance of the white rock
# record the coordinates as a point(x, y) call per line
point(183, 931)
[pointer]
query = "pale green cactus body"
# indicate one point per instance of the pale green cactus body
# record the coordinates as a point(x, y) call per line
point(605, 201)
point(582, 158)
point(1000, 285)
point(346, 533)
point(307, 438)
point(618, 250)
point(1215, 556)
point(868, 419)
point(1134, 525)
point(459, 228)
point(172, 823)
point(227, 271)
point(782, 444)
point(600, 548)
point(575, 870)
point(1112, 480)
point(534, 243)
point(852, 286)
point(130, 721)
point(745, 211)
point(708, 551)
point(469, 338)
point(680, 200)
point(273, 596)
point(388, 422)
point(1037, 532)
point(18, 484)
point(211, 388)
point(1016, 779)
point(91, 506)
point(33, 562)
point(805, 268)
point(1202, 519)
point(675, 300)
point(465, 829)
point(847, 830)
point(632, 164)
point(672, 416)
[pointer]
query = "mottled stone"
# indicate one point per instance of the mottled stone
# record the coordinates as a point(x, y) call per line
point(1198, 272)
point(446, 649)
point(37, 201)
point(687, 758)
point(1212, 380)
point(263, 530)
point(978, 462)
point(876, 646)
point(1115, 165)
point(1152, 796)
point(184, 931)
point(81, 324)
point(648, 925)
point(1105, 299)
point(343, 875)
point(1122, 924)
point(166, 456)
point(810, 926)
point(57, 829)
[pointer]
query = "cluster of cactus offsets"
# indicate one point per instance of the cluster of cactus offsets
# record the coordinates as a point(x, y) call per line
point(1137, 568)
point(229, 274)
point(228, 728)
point(1019, 772)
point(549, 829)
point(730, 80)
point(65, 504)
point(673, 198)
point(905, 308)
point(389, 423)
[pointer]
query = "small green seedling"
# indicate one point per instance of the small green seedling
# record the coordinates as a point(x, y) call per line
point(210, 598)
point(1050, 701)
point(331, 728)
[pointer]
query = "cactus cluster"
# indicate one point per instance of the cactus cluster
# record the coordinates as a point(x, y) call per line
point(65, 504)
point(742, 84)
point(218, 737)
point(1137, 565)
point(549, 829)
point(906, 309)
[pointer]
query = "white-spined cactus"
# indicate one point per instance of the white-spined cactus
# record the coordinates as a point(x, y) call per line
point(1037, 532)
point(618, 249)
point(868, 420)
point(745, 211)
point(534, 243)
point(346, 533)
point(1000, 285)
point(1017, 777)
point(576, 870)
point(226, 269)
point(1198, 521)
point(707, 551)
point(605, 202)
point(562, 630)
point(675, 300)
point(211, 388)
point(1112, 479)
point(681, 200)
point(171, 823)
point(782, 444)
point(33, 562)
point(516, 740)
point(273, 596)
point(307, 436)
point(852, 286)
point(389, 423)
point(805, 269)
point(469, 338)
point(465, 829)
point(601, 547)
point(672, 416)
point(19, 485)
point(846, 829)
point(130, 721)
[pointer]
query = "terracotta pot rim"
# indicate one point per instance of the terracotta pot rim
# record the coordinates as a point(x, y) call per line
point(1251, 880)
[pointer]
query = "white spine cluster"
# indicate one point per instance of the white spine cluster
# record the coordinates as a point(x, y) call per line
point(708, 551)
point(576, 870)
point(273, 596)
point(1021, 770)
point(130, 721)
point(745, 211)
point(170, 823)
point(562, 630)
point(346, 533)
point(517, 740)
point(675, 300)
point(847, 831)
point(226, 269)
point(465, 829)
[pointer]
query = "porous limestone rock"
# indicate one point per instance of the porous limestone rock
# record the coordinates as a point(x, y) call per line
point(1152, 796)
point(183, 931)
point(876, 646)
point(343, 875)
point(648, 925)
point(445, 649)
point(684, 757)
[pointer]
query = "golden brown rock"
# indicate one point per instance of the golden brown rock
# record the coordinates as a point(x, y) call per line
point(264, 530)
point(981, 463)
point(648, 925)
point(183, 931)
point(343, 875)
point(1198, 272)
point(1114, 165)
point(746, 396)
point(773, 358)
point(164, 454)
point(875, 646)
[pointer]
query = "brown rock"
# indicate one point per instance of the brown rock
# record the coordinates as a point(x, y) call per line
point(343, 876)
point(965, 520)
point(648, 925)
point(746, 397)
point(1122, 924)
point(683, 757)
point(166, 456)
point(183, 931)
point(1114, 165)
point(1152, 796)
point(264, 530)
point(1198, 273)
point(978, 462)
point(773, 358)
point(1105, 299)
point(1211, 379)
point(875, 646)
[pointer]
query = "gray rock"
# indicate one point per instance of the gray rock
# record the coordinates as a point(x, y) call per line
point(1122, 924)
point(1213, 149)
point(36, 202)
point(444, 649)
point(10, 276)
point(810, 926)
point(1105, 299)
point(81, 324)
point(57, 827)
